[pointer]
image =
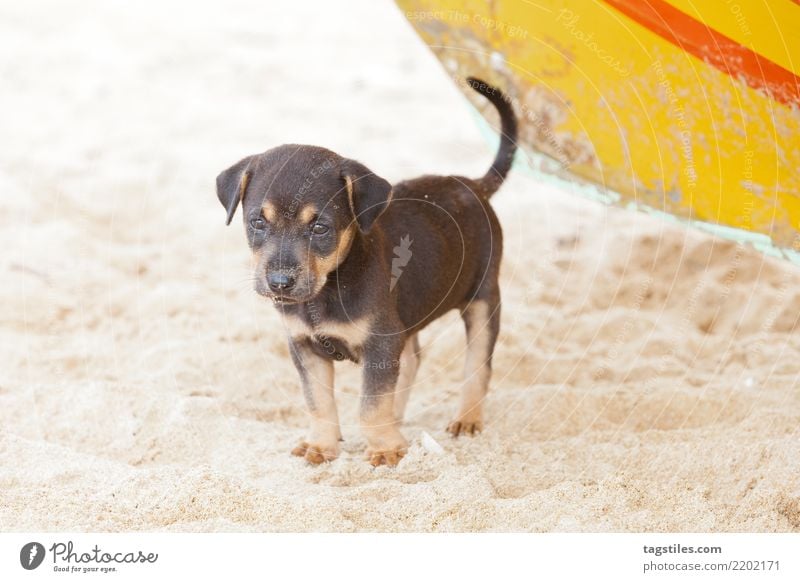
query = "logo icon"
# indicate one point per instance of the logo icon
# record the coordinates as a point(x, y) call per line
point(31, 555)
point(402, 254)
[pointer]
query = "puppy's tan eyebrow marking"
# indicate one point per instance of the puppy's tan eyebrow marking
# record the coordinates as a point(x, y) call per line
point(308, 213)
point(269, 211)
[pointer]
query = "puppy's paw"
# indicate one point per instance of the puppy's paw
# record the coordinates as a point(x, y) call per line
point(316, 453)
point(387, 456)
point(465, 426)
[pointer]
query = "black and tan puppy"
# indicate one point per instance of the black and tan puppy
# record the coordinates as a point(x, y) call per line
point(358, 267)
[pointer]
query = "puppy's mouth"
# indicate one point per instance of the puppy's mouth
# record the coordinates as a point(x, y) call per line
point(283, 300)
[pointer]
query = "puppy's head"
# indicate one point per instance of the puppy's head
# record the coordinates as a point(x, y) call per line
point(303, 206)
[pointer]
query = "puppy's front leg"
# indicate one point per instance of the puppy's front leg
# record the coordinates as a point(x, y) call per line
point(316, 375)
point(385, 442)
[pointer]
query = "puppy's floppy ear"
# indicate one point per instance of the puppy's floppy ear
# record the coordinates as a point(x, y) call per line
point(368, 193)
point(231, 186)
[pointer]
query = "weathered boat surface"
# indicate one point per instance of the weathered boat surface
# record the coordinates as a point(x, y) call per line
point(690, 110)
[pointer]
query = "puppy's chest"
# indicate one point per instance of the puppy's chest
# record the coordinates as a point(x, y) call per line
point(331, 338)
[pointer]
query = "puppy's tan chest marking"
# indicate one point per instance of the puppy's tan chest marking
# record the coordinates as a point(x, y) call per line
point(351, 333)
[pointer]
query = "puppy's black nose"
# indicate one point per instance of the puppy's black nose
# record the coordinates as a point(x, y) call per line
point(280, 282)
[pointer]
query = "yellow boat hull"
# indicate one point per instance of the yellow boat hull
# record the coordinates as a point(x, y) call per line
point(660, 107)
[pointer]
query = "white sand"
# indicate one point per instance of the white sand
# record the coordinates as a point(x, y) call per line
point(646, 377)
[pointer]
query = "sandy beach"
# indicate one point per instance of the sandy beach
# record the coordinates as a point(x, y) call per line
point(647, 377)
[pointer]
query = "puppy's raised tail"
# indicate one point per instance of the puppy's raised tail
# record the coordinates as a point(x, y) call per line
point(491, 182)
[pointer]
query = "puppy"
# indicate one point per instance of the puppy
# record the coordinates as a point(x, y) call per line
point(358, 267)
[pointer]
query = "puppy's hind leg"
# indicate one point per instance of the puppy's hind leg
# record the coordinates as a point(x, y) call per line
point(409, 363)
point(482, 320)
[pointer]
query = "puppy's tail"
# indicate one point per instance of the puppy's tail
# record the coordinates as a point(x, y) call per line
point(508, 136)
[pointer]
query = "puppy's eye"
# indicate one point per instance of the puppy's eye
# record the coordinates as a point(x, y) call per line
point(258, 223)
point(319, 228)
